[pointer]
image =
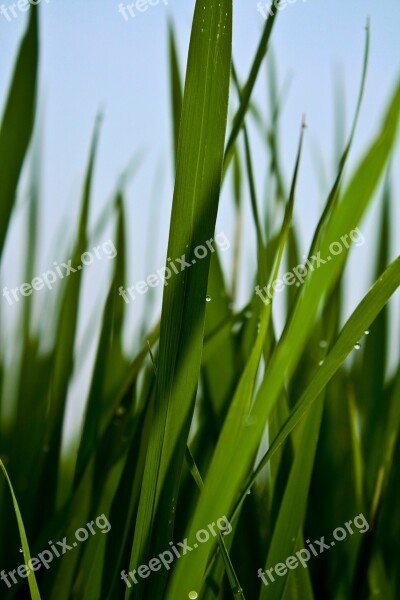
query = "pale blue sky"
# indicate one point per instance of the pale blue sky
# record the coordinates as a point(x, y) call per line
point(91, 58)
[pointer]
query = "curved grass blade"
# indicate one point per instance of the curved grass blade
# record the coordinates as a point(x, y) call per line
point(333, 195)
point(248, 89)
point(34, 590)
point(230, 570)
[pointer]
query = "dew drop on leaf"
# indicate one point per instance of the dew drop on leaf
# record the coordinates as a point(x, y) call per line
point(250, 420)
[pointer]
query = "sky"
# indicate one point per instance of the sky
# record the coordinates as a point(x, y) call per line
point(92, 60)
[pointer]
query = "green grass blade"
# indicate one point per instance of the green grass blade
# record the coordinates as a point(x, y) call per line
point(194, 211)
point(18, 120)
point(248, 88)
point(34, 590)
point(175, 86)
point(109, 358)
point(333, 195)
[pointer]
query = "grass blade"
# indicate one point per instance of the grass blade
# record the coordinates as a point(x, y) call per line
point(18, 120)
point(194, 211)
point(35, 595)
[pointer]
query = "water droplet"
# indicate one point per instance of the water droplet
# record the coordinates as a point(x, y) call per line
point(248, 493)
point(248, 314)
point(357, 346)
point(193, 595)
point(323, 344)
point(208, 298)
point(236, 327)
point(237, 590)
point(250, 420)
point(20, 550)
point(321, 362)
point(120, 411)
point(297, 284)
point(366, 332)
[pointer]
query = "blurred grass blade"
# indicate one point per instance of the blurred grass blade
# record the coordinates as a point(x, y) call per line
point(176, 87)
point(334, 193)
point(109, 353)
point(65, 346)
point(35, 595)
point(18, 120)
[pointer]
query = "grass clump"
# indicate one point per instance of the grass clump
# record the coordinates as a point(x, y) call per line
point(216, 421)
